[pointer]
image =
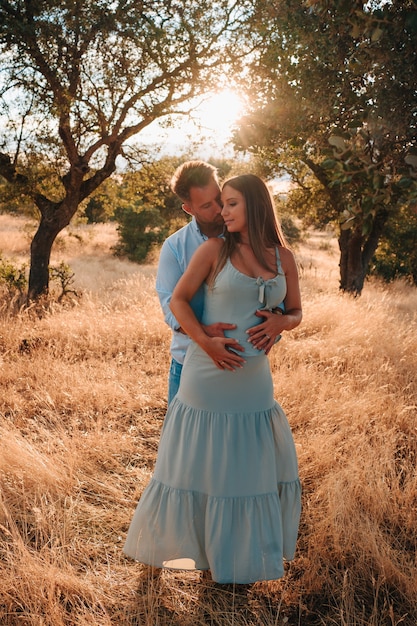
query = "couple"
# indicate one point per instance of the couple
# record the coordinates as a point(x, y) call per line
point(225, 493)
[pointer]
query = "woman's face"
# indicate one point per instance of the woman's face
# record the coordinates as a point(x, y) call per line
point(234, 210)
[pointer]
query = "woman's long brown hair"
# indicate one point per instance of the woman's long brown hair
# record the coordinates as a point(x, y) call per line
point(263, 227)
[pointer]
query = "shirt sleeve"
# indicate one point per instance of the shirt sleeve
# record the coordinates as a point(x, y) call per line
point(168, 274)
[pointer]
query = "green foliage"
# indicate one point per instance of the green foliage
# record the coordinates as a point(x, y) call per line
point(396, 255)
point(332, 86)
point(146, 208)
point(225, 167)
point(310, 202)
point(40, 177)
point(64, 276)
point(13, 201)
point(290, 229)
point(292, 232)
point(139, 232)
point(149, 188)
point(80, 80)
point(102, 203)
point(13, 284)
point(12, 277)
point(368, 191)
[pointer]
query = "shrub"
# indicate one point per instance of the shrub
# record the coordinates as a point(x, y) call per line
point(13, 277)
point(139, 232)
point(290, 229)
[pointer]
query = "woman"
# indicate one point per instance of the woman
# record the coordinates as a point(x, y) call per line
point(225, 494)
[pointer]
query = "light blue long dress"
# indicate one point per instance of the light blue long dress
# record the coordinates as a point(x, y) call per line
point(225, 494)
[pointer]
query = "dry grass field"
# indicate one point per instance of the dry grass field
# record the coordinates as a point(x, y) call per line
point(82, 404)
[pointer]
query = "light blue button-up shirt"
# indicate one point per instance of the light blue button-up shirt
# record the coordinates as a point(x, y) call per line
point(174, 258)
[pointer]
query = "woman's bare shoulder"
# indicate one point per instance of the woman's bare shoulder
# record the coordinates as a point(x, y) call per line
point(209, 249)
point(286, 256)
point(216, 242)
point(212, 245)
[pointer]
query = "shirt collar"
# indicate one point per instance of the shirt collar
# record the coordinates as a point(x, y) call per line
point(197, 229)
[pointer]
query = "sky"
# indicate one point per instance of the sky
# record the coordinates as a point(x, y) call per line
point(208, 135)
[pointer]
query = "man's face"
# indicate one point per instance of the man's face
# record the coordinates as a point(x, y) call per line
point(205, 205)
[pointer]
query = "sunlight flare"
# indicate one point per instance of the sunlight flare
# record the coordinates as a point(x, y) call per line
point(220, 111)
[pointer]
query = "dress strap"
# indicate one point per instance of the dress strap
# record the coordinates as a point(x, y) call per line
point(278, 258)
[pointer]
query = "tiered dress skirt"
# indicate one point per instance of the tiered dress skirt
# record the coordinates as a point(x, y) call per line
point(225, 494)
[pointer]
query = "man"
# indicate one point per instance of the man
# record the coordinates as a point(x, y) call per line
point(196, 184)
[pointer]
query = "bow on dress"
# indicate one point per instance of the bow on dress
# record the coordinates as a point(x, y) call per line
point(265, 287)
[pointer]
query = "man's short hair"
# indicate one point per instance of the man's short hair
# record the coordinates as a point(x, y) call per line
point(192, 174)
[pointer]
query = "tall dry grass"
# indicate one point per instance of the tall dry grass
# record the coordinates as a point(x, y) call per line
point(82, 404)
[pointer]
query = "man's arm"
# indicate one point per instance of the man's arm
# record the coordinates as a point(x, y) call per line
point(168, 274)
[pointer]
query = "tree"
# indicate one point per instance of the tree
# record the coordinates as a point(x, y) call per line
point(79, 79)
point(101, 204)
point(147, 209)
point(333, 87)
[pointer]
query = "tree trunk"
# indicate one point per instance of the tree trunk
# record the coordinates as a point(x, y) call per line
point(40, 254)
point(356, 252)
point(352, 271)
point(54, 218)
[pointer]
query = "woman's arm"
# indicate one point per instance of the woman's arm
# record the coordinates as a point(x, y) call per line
point(293, 311)
point(199, 269)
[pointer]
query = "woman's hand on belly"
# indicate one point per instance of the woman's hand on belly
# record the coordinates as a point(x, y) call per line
point(265, 334)
point(224, 352)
